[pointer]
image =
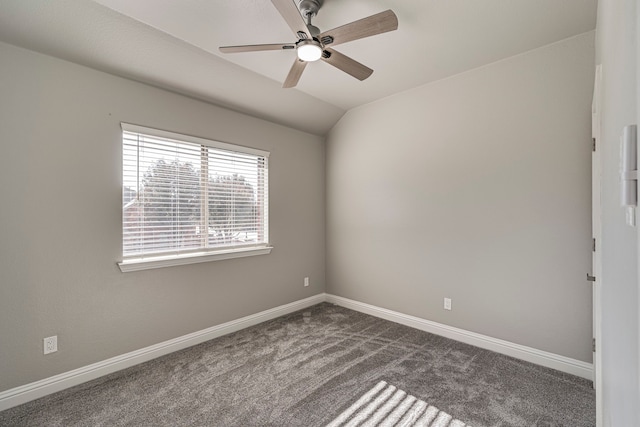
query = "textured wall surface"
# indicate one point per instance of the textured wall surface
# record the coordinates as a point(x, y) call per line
point(60, 220)
point(476, 188)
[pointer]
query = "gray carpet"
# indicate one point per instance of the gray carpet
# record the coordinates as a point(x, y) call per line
point(386, 405)
point(307, 368)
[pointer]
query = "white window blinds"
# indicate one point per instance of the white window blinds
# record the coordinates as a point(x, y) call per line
point(183, 194)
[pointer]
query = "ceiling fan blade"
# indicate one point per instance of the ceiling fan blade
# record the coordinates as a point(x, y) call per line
point(365, 27)
point(257, 47)
point(294, 74)
point(291, 15)
point(346, 64)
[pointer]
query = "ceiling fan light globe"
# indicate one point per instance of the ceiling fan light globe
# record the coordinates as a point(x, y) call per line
point(309, 52)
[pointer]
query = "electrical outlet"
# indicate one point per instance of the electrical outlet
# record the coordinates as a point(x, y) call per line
point(306, 282)
point(447, 303)
point(51, 344)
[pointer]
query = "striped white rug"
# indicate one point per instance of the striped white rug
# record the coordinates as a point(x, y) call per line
point(388, 406)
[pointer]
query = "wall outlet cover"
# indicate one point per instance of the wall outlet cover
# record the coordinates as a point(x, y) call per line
point(51, 344)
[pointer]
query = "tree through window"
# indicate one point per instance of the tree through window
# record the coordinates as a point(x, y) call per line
point(183, 194)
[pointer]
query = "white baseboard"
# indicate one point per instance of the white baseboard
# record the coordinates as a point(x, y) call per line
point(539, 357)
point(35, 390)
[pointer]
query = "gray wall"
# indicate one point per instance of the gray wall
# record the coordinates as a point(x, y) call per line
point(616, 51)
point(60, 220)
point(477, 188)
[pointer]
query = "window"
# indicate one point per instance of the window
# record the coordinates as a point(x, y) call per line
point(187, 199)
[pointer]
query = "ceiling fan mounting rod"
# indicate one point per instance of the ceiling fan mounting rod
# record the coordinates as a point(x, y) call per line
point(309, 8)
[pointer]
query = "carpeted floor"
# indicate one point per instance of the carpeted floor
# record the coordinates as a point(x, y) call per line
point(307, 368)
point(386, 405)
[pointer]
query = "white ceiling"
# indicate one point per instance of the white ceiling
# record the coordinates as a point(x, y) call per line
point(174, 44)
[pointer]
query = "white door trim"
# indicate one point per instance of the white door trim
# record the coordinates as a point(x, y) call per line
point(596, 225)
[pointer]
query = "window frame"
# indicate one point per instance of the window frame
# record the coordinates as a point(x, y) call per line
point(192, 256)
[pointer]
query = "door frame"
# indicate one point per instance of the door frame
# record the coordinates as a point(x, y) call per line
point(596, 229)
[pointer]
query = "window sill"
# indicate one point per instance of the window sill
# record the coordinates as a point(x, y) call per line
point(148, 263)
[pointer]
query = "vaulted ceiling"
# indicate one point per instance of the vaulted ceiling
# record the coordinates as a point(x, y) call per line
point(174, 44)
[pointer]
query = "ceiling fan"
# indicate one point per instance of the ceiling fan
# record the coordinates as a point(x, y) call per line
point(313, 44)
